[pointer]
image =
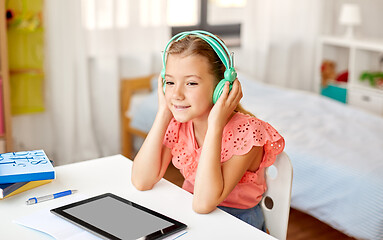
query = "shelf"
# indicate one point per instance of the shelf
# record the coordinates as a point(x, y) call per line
point(367, 88)
point(361, 43)
point(26, 70)
point(371, 45)
point(6, 143)
point(356, 56)
point(337, 41)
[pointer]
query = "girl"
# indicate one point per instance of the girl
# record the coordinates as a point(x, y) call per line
point(220, 149)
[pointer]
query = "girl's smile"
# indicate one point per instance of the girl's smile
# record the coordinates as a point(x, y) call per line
point(179, 107)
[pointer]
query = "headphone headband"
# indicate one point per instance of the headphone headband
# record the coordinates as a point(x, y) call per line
point(218, 46)
point(222, 44)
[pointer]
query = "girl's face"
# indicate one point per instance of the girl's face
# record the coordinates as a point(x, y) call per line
point(189, 87)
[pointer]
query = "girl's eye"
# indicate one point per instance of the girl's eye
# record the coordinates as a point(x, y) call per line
point(192, 84)
point(169, 83)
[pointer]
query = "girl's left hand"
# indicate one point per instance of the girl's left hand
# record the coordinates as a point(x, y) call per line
point(225, 105)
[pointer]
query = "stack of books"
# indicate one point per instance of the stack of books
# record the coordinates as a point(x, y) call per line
point(21, 171)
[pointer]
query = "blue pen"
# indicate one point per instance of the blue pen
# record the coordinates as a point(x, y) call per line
point(49, 197)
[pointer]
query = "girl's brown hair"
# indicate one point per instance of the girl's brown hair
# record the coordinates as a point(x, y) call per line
point(193, 45)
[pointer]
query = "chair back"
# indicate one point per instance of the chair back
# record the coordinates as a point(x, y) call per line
point(275, 203)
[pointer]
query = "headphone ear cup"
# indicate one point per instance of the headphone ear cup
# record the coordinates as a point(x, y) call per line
point(230, 75)
point(163, 86)
point(219, 89)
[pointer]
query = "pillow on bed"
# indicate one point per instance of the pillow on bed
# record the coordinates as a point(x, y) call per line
point(143, 108)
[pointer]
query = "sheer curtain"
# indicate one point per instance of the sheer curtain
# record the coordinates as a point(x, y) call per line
point(90, 45)
point(279, 39)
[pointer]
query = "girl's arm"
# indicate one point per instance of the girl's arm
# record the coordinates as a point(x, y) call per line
point(214, 181)
point(153, 158)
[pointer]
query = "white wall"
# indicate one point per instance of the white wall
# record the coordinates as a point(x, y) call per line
point(371, 15)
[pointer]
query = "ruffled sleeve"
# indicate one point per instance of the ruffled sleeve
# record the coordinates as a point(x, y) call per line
point(172, 134)
point(244, 131)
point(273, 146)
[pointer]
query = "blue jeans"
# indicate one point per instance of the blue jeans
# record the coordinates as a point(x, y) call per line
point(253, 216)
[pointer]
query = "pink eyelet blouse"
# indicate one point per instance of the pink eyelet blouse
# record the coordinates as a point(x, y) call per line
point(240, 134)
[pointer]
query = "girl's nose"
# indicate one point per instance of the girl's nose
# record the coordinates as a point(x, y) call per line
point(178, 92)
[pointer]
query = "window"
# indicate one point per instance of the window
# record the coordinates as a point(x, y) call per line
point(181, 13)
point(221, 17)
point(104, 14)
point(120, 14)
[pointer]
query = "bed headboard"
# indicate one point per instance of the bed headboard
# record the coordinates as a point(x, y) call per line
point(128, 87)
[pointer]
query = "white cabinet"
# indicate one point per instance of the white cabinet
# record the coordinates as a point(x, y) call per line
point(366, 99)
point(355, 56)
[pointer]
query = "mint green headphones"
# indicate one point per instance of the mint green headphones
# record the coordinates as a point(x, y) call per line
point(219, 47)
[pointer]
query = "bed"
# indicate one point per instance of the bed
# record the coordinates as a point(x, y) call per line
point(336, 150)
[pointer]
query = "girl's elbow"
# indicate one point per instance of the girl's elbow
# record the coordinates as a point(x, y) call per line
point(141, 186)
point(203, 208)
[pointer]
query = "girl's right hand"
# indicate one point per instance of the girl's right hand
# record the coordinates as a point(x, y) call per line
point(162, 105)
point(226, 104)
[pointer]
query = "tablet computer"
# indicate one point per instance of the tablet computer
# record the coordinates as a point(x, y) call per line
point(112, 217)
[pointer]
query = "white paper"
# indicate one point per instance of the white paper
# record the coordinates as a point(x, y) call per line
point(47, 222)
point(61, 229)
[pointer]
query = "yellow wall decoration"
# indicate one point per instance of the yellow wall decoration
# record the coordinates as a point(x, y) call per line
point(26, 55)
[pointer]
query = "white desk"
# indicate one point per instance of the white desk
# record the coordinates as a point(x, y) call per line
point(112, 174)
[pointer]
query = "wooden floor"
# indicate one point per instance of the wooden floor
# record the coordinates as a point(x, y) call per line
point(301, 225)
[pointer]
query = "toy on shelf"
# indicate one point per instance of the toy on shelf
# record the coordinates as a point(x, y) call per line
point(342, 77)
point(21, 18)
point(375, 78)
point(328, 72)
